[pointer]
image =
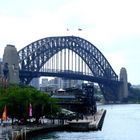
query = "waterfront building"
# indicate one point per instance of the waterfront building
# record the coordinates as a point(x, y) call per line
point(76, 99)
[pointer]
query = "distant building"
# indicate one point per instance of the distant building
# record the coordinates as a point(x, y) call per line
point(68, 83)
point(54, 83)
point(35, 83)
point(59, 83)
point(44, 82)
point(64, 83)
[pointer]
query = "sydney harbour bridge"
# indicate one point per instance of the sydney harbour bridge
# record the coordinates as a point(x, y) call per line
point(68, 57)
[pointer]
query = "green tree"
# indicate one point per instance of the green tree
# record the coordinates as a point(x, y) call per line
point(17, 99)
point(134, 94)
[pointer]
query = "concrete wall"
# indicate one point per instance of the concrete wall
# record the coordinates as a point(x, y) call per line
point(123, 93)
point(10, 56)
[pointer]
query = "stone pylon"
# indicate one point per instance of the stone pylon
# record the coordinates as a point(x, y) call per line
point(124, 86)
point(10, 58)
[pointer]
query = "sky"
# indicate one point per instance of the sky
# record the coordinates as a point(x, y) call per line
point(113, 26)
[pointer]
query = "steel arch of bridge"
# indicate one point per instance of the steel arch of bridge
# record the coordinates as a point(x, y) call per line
point(35, 55)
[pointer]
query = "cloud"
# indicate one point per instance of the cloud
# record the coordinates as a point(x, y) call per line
point(112, 26)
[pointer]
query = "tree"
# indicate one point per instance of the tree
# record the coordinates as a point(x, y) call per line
point(17, 99)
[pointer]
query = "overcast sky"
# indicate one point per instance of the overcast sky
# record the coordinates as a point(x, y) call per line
point(113, 26)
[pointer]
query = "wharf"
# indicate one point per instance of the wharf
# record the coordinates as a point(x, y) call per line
point(88, 123)
point(92, 122)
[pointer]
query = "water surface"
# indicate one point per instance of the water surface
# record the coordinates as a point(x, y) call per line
point(122, 122)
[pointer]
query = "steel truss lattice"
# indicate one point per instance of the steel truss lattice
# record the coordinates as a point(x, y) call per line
point(35, 55)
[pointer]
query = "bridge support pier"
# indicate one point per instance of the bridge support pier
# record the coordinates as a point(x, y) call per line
point(10, 57)
point(123, 92)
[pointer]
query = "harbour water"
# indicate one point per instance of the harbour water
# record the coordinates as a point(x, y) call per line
point(122, 122)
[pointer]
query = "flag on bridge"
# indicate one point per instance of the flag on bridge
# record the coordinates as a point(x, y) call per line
point(79, 29)
point(4, 114)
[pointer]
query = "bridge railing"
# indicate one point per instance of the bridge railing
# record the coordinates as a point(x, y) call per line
point(66, 71)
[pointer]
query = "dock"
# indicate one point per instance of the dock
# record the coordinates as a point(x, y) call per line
point(92, 122)
point(88, 123)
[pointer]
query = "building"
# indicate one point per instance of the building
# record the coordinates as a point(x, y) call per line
point(63, 83)
point(44, 82)
point(35, 83)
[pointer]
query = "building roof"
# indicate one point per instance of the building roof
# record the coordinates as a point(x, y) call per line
point(60, 90)
point(64, 96)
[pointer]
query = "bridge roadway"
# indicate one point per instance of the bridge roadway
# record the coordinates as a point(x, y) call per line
point(69, 75)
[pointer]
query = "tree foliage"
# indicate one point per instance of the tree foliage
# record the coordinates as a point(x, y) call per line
point(17, 99)
point(134, 94)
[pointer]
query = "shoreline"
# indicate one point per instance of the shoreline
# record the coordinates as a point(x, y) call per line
point(89, 123)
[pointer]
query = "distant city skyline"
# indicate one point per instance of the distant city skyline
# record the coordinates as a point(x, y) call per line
point(112, 26)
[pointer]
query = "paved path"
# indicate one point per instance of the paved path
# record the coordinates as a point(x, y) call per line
point(5, 132)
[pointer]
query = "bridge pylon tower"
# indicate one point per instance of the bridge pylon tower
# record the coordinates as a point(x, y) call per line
point(10, 64)
point(123, 93)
